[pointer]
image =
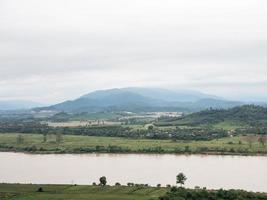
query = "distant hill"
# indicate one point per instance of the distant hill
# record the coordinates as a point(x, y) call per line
point(114, 99)
point(18, 104)
point(169, 95)
point(246, 114)
point(142, 99)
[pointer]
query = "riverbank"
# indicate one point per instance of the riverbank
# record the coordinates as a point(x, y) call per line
point(34, 143)
point(78, 192)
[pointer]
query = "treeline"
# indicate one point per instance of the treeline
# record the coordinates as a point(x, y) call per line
point(248, 114)
point(182, 133)
point(28, 125)
point(251, 130)
point(204, 194)
point(34, 126)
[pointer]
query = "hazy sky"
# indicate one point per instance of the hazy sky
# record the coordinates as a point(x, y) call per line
point(52, 50)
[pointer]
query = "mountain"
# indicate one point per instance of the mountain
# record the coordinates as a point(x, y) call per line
point(113, 99)
point(169, 95)
point(242, 115)
point(18, 104)
point(142, 99)
point(216, 103)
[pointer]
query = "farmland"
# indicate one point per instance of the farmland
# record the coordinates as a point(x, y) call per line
point(241, 145)
point(82, 192)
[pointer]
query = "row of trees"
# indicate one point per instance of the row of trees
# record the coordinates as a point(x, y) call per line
point(180, 179)
point(203, 194)
point(254, 116)
point(181, 193)
point(116, 131)
point(58, 138)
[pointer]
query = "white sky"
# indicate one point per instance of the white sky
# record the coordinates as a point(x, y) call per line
point(55, 50)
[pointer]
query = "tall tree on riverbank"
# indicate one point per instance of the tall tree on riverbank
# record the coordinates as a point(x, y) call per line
point(103, 180)
point(180, 179)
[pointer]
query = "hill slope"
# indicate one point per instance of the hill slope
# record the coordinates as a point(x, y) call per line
point(142, 99)
point(247, 114)
point(169, 95)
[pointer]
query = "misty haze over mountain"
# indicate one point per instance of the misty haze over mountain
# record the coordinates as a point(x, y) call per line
point(142, 99)
point(130, 98)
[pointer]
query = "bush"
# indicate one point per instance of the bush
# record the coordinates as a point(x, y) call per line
point(203, 194)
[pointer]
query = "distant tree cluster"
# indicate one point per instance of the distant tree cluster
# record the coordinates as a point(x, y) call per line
point(22, 126)
point(204, 194)
point(251, 115)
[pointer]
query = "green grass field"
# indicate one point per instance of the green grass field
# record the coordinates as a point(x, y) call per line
point(63, 192)
point(85, 192)
point(72, 144)
point(229, 125)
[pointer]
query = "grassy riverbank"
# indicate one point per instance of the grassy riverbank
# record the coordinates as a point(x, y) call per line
point(77, 192)
point(63, 192)
point(86, 144)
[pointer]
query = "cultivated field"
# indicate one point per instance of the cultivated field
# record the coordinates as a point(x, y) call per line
point(63, 192)
point(242, 145)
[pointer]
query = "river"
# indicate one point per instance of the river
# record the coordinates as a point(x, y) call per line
point(211, 171)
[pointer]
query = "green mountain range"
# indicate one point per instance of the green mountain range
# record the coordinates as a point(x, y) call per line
point(143, 99)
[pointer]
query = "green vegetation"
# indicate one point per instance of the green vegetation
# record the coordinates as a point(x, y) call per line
point(228, 125)
point(243, 145)
point(180, 179)
point(240, 130)
point(64, 117)
point(118, 192)
point(103, 180)
point(203, 194)
point(249, 115)
point(78, 192)
point(148, 131)
point(205, 125)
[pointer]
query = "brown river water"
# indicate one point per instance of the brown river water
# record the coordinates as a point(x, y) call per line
point(211, 171)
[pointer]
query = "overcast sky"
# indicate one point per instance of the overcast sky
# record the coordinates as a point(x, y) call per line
point(53, 50)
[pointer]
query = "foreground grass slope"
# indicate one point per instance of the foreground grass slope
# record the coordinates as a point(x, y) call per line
point(86, 144)
point(64, 192)
point(72, 192)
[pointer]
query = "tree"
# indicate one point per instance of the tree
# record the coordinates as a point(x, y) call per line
point(262, 140)
point(250, 139)
point(130, 184)
point(180, 179)
point(20, 139)
point(103, 180)
point(59, 137)
point(44, 137)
